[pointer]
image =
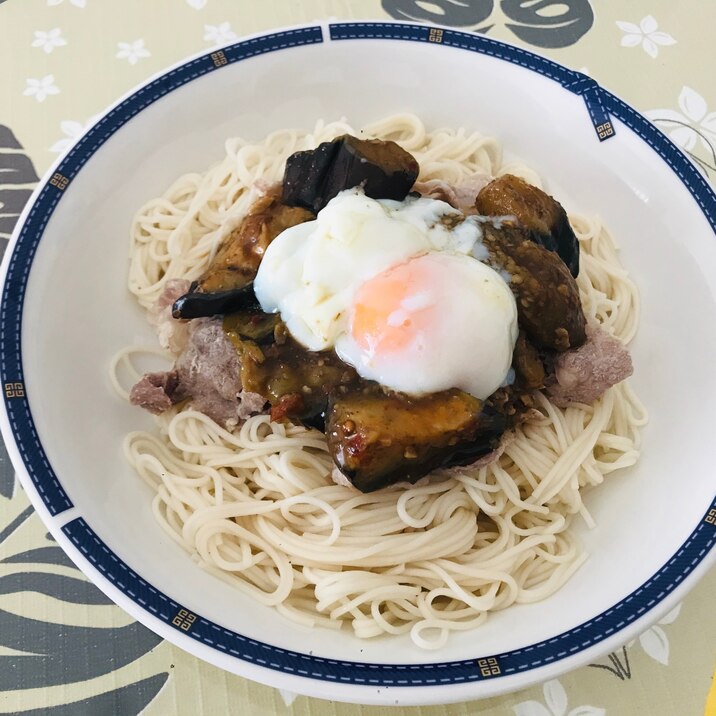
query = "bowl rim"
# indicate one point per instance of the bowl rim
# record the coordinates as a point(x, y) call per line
point(360, 682)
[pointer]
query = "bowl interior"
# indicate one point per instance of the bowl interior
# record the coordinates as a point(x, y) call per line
point(78, 312)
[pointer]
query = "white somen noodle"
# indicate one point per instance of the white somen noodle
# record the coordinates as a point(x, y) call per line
point(257, 506)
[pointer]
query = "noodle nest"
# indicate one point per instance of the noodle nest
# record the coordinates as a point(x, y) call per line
point(257, 506)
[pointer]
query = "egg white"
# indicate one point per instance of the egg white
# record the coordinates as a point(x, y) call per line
point(311, 272)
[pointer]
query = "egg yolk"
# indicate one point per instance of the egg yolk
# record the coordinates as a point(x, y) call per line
point(393, 309)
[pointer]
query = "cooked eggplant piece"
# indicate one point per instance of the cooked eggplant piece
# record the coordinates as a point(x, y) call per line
point(548, 305)
point(528, 366)
point(195, 304)
point(222, 287)
point(238, 258)
point(383, 168)
point(296, 382)
point(305, 174)
point(377, 439)
point(251, 323)
point(511, 401)
point(534, 210)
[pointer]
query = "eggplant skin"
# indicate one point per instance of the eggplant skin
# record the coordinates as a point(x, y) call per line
point(222, 287)
point(311, 180)
point(377, 439)
point(195, 304)
point(549, 308)
point(529, 369)
point(535, 210)
point(305, 175)
point(383, 168)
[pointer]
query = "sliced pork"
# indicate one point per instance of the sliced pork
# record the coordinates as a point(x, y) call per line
point(582, 375)
point(207, 373)
point(172, 334)
point(461, 196)
point(156, 392)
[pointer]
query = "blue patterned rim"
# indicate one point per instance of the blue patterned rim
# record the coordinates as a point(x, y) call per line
point(601, 108)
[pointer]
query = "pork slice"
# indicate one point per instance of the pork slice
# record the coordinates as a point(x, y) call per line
point(461, 196)
point(172, 334)
point(250, 404)
point(437, 189)
point(156, 392)
point(466, 192)
point(207, 373)
point(584, 374)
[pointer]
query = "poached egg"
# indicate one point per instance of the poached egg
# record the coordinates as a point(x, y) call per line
point(398, 289)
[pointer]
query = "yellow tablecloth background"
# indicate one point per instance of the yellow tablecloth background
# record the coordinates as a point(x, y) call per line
point(668, 671)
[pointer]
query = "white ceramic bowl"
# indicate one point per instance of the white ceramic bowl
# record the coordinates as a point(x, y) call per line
point(65, 311)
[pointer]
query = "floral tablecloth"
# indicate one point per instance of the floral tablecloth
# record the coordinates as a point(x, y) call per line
point(64, 648)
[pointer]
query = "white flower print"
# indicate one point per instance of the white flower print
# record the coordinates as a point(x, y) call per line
point(654, 640)
point(694, 122)
point(196, 4)
point(72, 130)
point(49, 40)
point(40, 88)
point(646, 34)
point(132, 51)
point(219, 34)
point(556, 699)
point(76, 3)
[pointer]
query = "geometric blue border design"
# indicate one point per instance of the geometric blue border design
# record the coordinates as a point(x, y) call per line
point(592, 632)
point(601, 106)
point(575, 82)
